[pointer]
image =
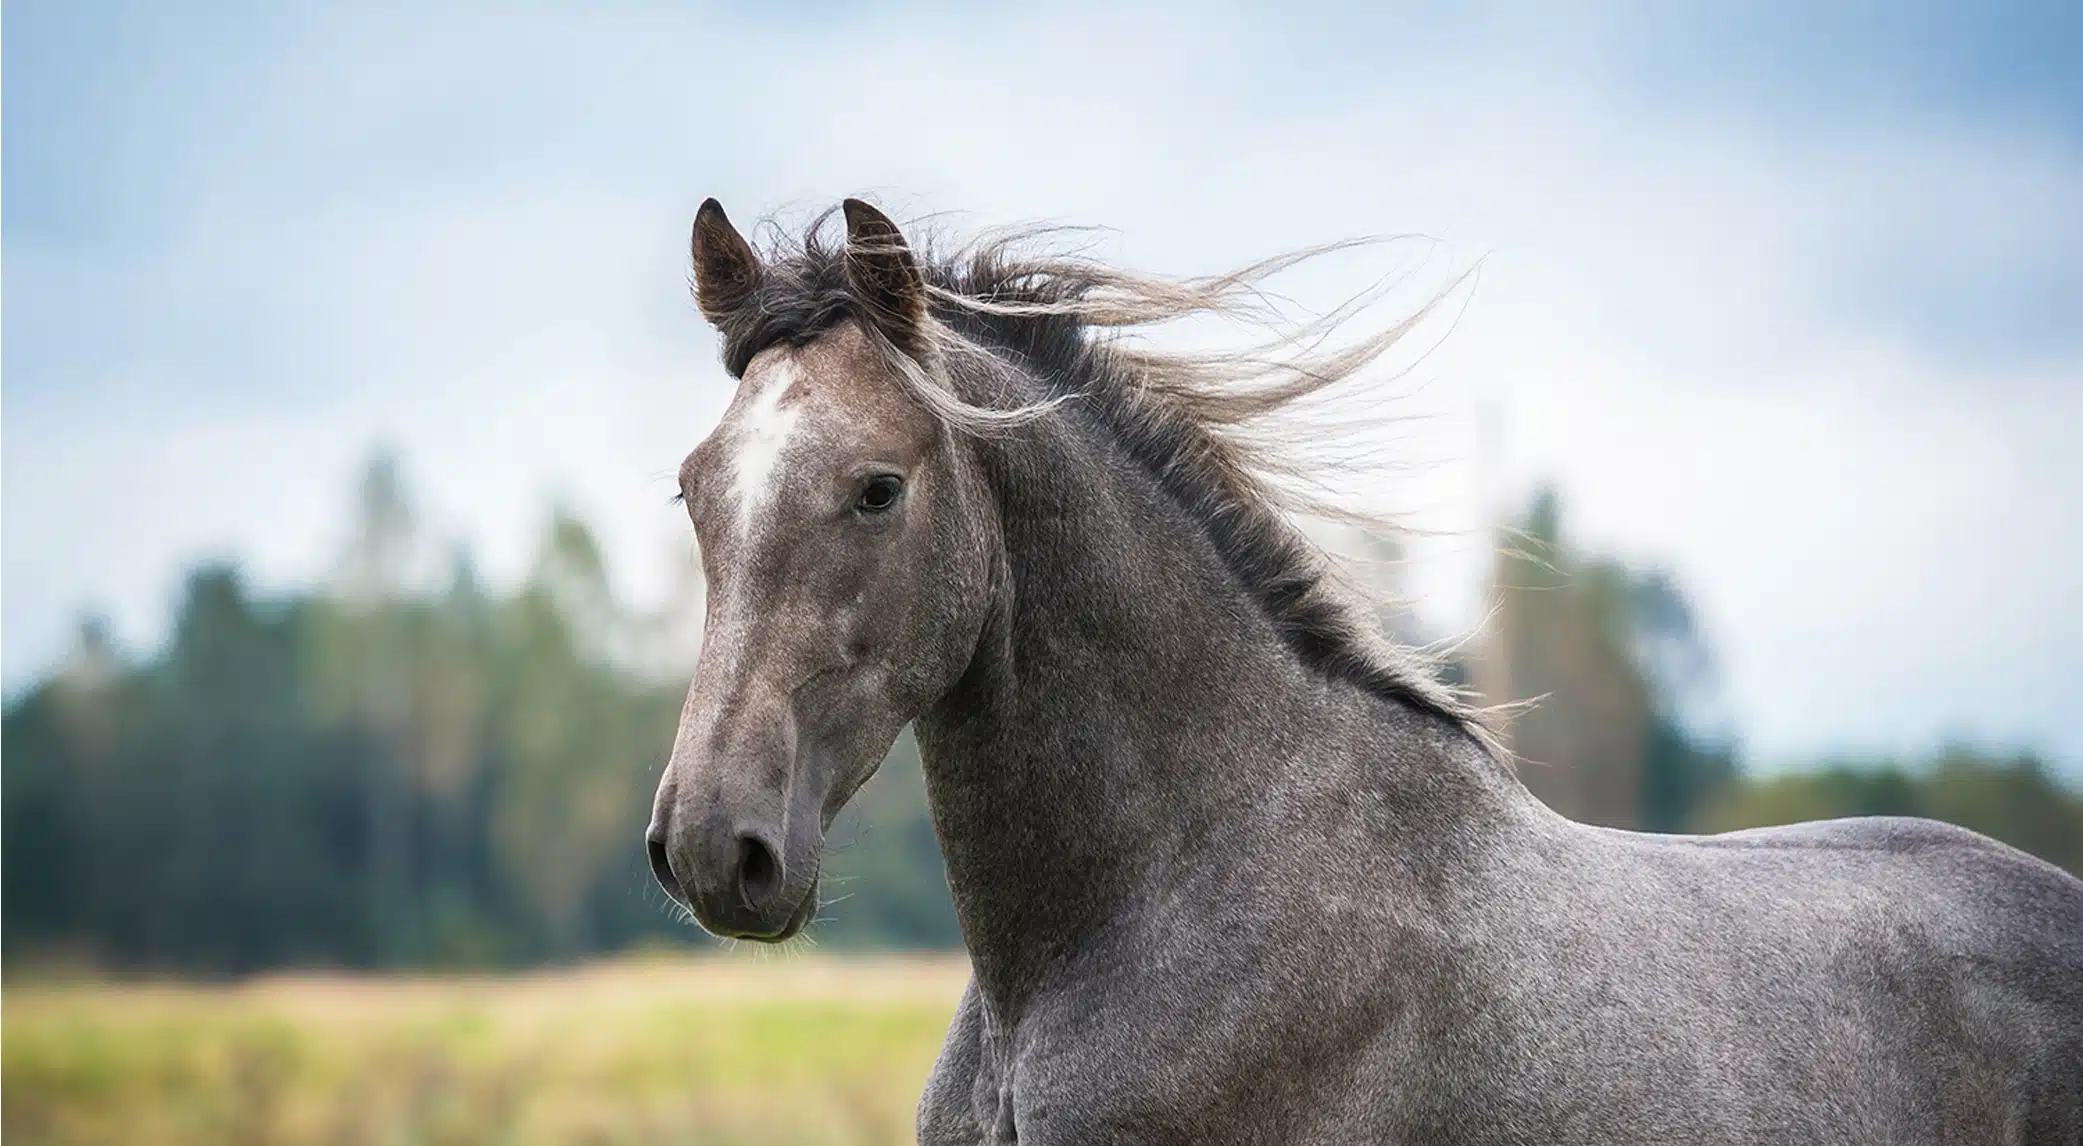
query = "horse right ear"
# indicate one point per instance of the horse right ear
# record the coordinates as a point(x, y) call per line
point(880, 267)
point(726, 271)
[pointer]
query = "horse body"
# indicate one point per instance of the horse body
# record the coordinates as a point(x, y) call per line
point(1227, 872)
point(1212, 897)
point(1663, 999)
point(1573, 988)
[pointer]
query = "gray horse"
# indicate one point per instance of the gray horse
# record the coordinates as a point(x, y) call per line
point(1229, 868)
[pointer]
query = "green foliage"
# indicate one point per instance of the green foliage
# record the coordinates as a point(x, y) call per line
point(405, 769)
point(1618, 673)
point(2011, 798)
point(883, 875)
point(378, 774)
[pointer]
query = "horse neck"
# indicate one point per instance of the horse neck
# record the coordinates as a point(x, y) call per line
point(1130, 711)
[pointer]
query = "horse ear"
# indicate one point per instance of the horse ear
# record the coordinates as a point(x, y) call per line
point(726, 271)
point(882, 271)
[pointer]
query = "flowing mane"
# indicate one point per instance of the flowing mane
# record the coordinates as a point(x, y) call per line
point(1214, 430)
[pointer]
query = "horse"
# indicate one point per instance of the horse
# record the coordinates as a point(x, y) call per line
point(1229, 866)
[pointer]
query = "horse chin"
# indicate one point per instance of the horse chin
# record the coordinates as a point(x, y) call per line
point(804, 913)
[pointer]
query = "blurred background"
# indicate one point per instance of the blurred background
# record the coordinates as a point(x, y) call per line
point(348, 360)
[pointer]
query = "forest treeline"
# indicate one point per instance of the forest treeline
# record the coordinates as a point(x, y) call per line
point(406, 767)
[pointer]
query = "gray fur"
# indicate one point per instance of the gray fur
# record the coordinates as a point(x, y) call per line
point(1223, 874)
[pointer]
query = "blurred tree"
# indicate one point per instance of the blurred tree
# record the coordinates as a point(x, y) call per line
point(1687, 750)
point(1554, 624)
point(363, 671)
point(885, 884)
point(389, 771)
point(2012, 798)
point(400, 768)
point(1614, 675)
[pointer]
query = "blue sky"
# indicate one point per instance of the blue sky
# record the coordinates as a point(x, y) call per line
point(1786, 300)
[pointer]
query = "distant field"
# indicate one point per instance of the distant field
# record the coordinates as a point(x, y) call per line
point(716, 1052)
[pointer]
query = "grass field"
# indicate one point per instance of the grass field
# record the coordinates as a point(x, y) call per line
point(720, 1051)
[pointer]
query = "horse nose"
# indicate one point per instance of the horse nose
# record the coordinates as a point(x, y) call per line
point(730, 875)
point(662, 864)
point(757, 871)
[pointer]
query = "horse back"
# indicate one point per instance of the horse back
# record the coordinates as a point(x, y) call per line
point(1851, 980)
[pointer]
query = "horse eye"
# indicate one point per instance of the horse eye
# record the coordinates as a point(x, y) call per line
point(880, 493)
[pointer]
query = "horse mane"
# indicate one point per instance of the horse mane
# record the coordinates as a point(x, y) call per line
point(1216, 430)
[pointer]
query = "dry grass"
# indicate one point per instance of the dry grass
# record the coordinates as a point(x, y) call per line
point(654, 1051)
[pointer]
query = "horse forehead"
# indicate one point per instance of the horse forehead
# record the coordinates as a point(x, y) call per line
point(770, 427)
point(794, 401)
point(795, 406)
point(760, 434)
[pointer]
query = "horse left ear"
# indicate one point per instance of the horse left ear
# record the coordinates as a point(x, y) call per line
point(880, 267)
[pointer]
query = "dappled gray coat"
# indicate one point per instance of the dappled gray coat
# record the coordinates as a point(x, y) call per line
point(1230, 870)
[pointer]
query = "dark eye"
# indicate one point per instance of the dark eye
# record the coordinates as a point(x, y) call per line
point(880, 493)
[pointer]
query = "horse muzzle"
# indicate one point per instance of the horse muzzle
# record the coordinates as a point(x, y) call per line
point(735, 875)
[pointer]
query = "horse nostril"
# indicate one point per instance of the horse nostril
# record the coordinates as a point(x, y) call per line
point(662, 868)
point(759, 871)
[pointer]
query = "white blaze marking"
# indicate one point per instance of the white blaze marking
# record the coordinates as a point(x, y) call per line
point(762, 435)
